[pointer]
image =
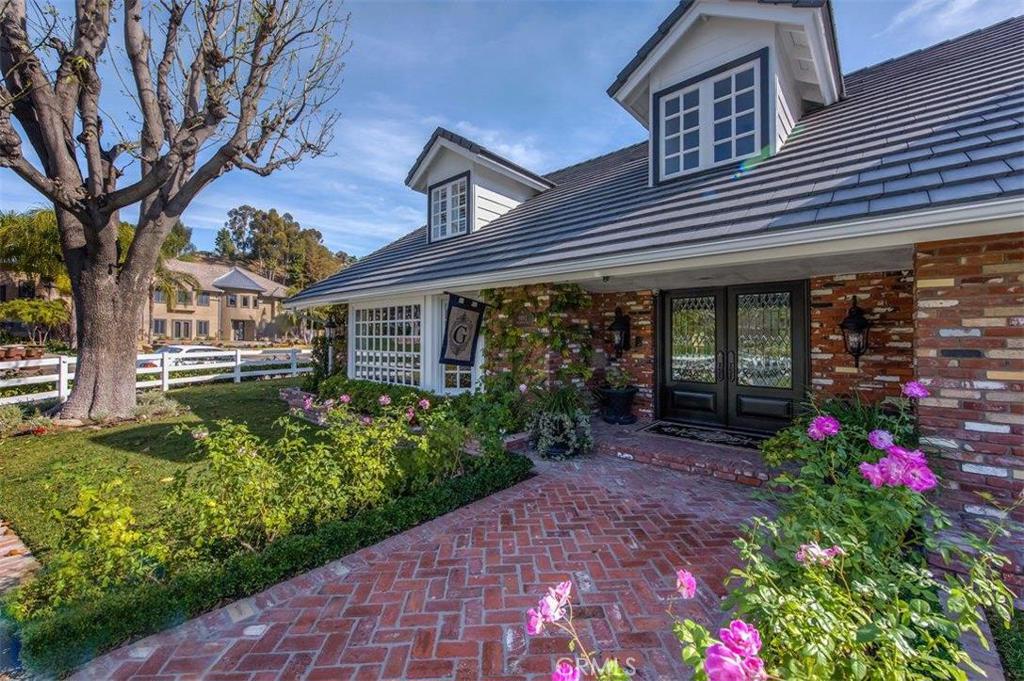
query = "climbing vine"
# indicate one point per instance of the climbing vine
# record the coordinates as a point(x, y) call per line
point(539, 333)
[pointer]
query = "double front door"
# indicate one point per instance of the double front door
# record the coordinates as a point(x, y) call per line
point(734, 356)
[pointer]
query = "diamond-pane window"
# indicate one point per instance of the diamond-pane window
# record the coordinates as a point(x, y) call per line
point(764, 339)
point(693, 339)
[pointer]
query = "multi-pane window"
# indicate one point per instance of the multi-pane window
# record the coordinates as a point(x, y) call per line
point(232, 300)
point(680, 132)
point(159, 296)
point(458, 377)
point(734, 115)
point(710, 122)
point(245, 301)
point(449, 209)
point(202, 328)
point(182, 329)
point(203, 299)
point(387, 343)
point(160, 327)
point(184, 297)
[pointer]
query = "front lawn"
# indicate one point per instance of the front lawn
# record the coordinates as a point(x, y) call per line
point(143, 454)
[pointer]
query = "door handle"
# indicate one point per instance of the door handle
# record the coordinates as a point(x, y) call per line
point(732, 366)
point(719, 365)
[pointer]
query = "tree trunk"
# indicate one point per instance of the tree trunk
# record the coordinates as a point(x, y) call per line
point(109, 317)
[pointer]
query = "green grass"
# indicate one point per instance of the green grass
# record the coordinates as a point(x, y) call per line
point(1010, 643)
point(143, 454)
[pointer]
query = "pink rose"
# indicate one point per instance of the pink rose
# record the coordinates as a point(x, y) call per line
point(566, 671)
point(754, 666)
point(345, 399)
point(723, 664)
point(741, 638)
point(915, 390)
point(822, 427)
point(562, 592)
point(880, 439)
point(410, 414)
point(919, 478)
point(366, 421)
point(812, 554)
point(686, 584)
point(551, 610)
point(873, 473)
point(534, 622)
point(424, 403)
point(307, 402)
point(522, 388)
point(384, 400)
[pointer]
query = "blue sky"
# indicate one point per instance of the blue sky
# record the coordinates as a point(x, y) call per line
point(526, 79)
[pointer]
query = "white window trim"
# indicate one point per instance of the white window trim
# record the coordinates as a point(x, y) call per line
point(432, 310)
point(447, 186)
point(706, 122)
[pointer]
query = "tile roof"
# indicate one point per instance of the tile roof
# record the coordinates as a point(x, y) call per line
point(213, 276)
point(471, 146)
point(936, 127)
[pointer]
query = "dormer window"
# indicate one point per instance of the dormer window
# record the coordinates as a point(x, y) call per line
point(449, 208)
point(715, 118)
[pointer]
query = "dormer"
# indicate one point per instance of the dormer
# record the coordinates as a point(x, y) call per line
point(725, 81)
point(467, 185)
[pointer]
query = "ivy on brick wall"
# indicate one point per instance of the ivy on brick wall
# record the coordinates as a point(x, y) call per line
point(539, 333)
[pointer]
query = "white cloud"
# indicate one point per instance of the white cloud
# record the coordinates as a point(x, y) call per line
point(943, 19)
point(518, 148)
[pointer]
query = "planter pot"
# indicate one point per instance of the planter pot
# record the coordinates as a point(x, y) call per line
point(618, 405)
point(16, 353)
point(34, 353)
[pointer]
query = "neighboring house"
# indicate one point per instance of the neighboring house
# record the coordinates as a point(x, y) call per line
point(232, 304)
point(771, 189)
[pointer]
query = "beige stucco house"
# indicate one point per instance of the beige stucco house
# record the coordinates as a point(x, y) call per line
point(232, 304)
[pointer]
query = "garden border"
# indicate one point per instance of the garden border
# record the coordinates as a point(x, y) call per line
point(74, 635)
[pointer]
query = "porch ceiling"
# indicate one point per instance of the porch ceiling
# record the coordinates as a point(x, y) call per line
point(755, 272)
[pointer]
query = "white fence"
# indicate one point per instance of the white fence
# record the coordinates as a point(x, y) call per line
point(213, 365)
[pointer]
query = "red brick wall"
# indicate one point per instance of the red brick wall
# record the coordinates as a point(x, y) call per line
point(638, 361)
point(887, 299)
point(969, 340)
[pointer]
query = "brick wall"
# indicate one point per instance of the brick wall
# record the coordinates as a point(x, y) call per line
point(638, 361)
point(969, 338)
point(887, 299)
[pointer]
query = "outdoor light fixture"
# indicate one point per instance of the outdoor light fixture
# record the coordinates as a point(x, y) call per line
point(329, 328)
point(855, 330)
point(620, 332)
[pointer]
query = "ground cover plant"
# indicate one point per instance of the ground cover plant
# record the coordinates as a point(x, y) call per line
point(229, 521)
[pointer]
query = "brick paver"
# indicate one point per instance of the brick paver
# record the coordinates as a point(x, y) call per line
point(447, 599)
point(16, 560)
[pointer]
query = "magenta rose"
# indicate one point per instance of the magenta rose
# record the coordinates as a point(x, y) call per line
point(873, 473)
point(919, 478)
point(384, 400)
point(754, 667)
point(741, 638)
point(822, 427)
point(915, 390)
point(566, 671)
point(724, 664)
point(880, 439)
point(534, 623)
point(686, 584)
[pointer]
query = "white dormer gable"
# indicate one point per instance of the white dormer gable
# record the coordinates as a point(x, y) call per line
point(467, 185)
point(723, 81)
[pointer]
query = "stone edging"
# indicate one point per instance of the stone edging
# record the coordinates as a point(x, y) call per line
point(16, 560)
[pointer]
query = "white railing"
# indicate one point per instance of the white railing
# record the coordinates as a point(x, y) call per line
point(156, 370)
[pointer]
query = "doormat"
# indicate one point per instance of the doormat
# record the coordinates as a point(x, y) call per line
point(709, 435)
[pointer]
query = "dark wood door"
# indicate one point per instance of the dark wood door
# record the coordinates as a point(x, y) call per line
point(734, 356)
point(693, 356)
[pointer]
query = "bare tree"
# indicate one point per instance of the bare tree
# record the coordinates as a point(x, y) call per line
point(230, 84)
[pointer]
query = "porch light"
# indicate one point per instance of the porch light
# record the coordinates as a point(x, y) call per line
point(855, 328)
point(329, 328)
point(620, 332)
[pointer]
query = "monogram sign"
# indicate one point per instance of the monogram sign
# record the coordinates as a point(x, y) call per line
point(461, 330)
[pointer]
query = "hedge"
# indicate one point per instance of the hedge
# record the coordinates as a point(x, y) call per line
point(58, 644)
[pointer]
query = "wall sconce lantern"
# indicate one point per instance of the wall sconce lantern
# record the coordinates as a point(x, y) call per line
point(330, 327)
point(620, 332)
point(855, 328)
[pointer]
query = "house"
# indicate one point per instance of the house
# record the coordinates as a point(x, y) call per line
point(771, 195)
point(231, 304)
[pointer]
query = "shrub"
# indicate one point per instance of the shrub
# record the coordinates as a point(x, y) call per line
point(561, 423)
point(837, 585)
point(365, 395)
point(102, 548)
point(153, 403)
point(501, 409)
point(58, 642)
point(11, 418)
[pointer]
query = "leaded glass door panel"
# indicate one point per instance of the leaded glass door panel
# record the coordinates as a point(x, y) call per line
point(734, 356)
point(694, 344)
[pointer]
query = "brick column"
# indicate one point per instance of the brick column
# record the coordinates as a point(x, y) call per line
point(969, 342)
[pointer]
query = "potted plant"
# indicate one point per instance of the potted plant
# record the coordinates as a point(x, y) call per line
point(618, 397)
point(560, 427)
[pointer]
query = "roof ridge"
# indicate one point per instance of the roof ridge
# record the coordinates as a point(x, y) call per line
point(927, 48)
point(474, 147)
point(596, 158)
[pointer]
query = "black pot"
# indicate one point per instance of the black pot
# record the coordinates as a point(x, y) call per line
point(618, 405)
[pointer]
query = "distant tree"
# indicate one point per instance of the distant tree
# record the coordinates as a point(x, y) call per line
point(178, 243)
point(224, 245)
point(30, 245)
point(219, 85)
point(40, 316)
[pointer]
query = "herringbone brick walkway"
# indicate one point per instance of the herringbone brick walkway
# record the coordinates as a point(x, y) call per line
point(447, 600)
